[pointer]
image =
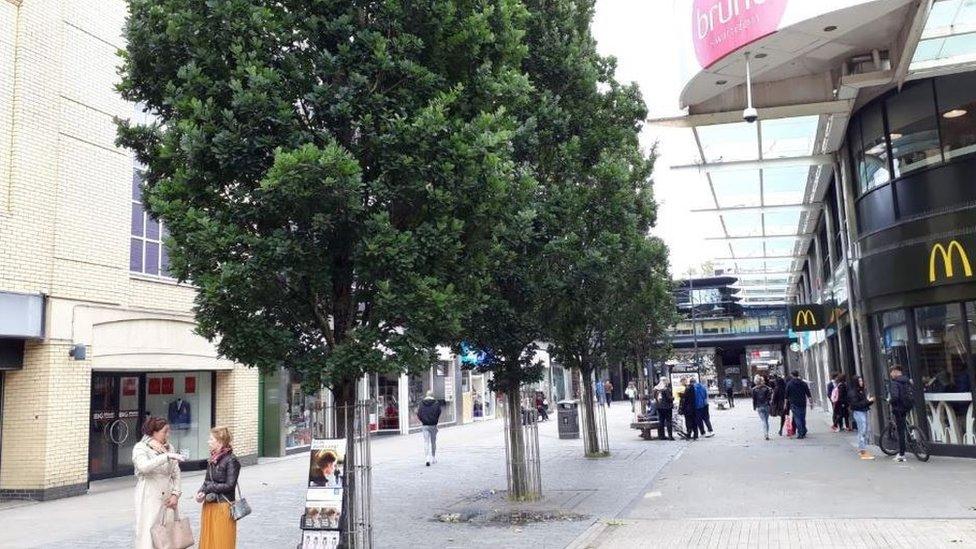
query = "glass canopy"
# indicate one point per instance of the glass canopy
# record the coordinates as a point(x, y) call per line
point(949, 37)
point(760, 208)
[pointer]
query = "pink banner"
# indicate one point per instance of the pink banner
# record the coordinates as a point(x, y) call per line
point(720, 27)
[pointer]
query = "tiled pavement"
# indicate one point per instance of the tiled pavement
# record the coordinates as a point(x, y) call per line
point(737, 490)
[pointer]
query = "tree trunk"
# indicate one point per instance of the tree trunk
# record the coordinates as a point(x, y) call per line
point(345, 421)
point(592, 446)
point(517, 467)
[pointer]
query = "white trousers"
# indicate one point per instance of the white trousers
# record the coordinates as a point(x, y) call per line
point(430, 442)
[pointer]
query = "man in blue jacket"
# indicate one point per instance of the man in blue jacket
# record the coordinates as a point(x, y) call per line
point(701, 410)
point(797, 394)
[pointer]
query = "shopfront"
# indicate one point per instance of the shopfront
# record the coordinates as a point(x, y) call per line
point(913, 154)
point(440, 380)
point(120, 401)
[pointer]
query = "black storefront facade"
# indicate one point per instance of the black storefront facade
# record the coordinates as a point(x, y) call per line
point(910, 189)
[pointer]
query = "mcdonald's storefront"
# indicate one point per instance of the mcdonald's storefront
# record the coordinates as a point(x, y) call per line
point(915, 209)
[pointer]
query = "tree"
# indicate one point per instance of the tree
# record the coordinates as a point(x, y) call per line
point(607, 209)
point(561, 65)
point(330, 173)
point(645, 310)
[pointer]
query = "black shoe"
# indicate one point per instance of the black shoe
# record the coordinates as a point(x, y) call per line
point(670, 438)
point(428, 464)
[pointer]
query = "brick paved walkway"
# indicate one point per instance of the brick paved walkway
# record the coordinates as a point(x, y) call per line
point(738, 490)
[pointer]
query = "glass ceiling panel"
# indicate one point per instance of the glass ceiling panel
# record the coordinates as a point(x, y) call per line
point(736, 188)
point(782, 222)
point(780, 246)
point(728, 142)
point(747, 247)
point(785, 185)
point(957, 18)
point(743, 224)
point(786, 137)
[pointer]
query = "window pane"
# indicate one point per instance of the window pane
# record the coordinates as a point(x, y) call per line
point(943, 367)
point(914, 133)
point(873, 169)
point(135, 255)
point(152, 258)
point(164, 261)
point(137, 219)
point(152, 228)
point(957, 113)
point(137, 185)
point(893, 340)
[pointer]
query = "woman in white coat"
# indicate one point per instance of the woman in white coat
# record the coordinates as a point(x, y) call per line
point(158, 478)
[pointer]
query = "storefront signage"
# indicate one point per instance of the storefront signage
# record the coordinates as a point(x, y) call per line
point(933, 264)
point(723, 26)
point(807, 317)
point(323, 501)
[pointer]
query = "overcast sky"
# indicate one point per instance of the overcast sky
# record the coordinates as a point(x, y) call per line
point(641, 35)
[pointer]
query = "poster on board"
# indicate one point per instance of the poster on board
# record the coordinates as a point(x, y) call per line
point(322, 516)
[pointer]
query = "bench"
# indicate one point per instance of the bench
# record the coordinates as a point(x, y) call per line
point(645, 427)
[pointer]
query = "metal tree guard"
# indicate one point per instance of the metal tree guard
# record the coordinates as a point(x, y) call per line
point(524, 475)
point(602, 447)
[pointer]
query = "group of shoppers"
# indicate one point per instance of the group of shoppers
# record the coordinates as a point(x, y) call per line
point(786, 399)
point(693, 405)
point(158, 485)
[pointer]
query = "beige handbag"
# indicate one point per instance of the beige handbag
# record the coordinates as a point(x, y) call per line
point(175, 534)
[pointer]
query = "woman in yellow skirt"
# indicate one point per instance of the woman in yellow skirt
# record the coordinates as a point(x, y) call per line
point(218, 530)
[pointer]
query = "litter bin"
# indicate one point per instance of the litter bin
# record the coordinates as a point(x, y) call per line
point(567, 414)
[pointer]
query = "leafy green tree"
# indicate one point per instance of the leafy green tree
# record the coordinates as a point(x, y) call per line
point(606, 210)
point(330, 173)
point(644, 311)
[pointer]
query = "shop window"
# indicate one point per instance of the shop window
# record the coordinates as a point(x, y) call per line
point(304, 417)
point(892, 337)
point(914, 132)
point(872, 155)
point(185, 400)
point(388, 401)
point(943, 359)
point(956, 96)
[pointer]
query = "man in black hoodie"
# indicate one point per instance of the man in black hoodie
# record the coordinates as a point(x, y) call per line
point(797, 395)
point(429, 413)
point(900, 397)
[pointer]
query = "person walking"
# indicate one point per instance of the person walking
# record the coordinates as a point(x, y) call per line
point(901, 400)
point(686, 407)
point(762, 396)
point(157, 470)
point(798, 394)
point(701, 410)
point(860, 403)
point(218, 529)
point(608, 390)
point(429, 413)
point(842, 410)
point(631, 392)
point(542, 405)
point(779, 406)
point(832, 399)
point(730, 391)
point(664, 403)
point(601, 392)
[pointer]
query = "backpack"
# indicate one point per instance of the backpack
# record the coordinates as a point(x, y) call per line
point(835, 394)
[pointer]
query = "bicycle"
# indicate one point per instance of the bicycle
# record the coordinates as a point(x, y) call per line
point(915, 439)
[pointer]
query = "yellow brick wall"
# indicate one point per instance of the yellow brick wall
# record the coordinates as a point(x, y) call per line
point(64, 230)
point(45, 420)
point(237, 407)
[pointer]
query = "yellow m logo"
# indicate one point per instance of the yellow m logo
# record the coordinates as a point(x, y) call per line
point(947, 253)
point(805, 317)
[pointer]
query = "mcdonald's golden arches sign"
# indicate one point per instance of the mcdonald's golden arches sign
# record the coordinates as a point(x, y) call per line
point(807, 317)
point(948, 256)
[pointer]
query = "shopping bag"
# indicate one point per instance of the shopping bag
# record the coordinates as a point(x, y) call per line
point(790, 428)
point(176, 534)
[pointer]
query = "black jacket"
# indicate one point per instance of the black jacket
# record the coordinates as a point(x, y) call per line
point(779, 396)
point(664, 400)
point(429, 411)
point(687, 404)
point(221, 478)
point(901, 394)
point(842, 389)
point(857, 397)
point(797, 392)
point(761, 396)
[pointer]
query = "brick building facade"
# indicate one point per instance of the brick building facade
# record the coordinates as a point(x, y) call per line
point(75, 243)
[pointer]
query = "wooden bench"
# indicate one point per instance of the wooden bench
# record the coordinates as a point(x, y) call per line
point(645, 427)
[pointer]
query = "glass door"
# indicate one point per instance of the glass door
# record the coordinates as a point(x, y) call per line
point(114, 423)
